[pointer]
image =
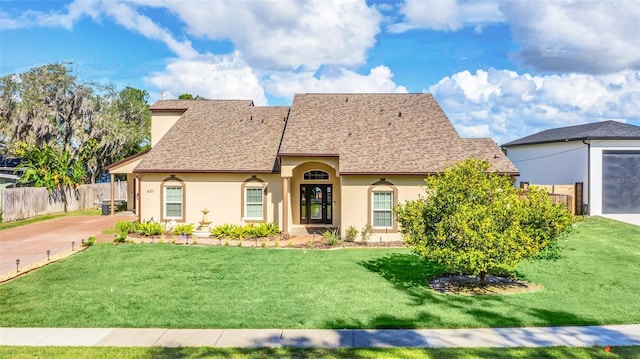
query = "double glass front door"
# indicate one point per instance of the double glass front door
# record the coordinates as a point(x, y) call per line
point(315, 203)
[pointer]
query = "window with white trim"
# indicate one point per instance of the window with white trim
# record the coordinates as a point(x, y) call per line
point(382, 209)
point(253, 203)
point(173, 202)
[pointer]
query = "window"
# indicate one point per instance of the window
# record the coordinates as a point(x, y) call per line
point(315, 175)
point(173, 202)
point(253, 202)
point(382, 216)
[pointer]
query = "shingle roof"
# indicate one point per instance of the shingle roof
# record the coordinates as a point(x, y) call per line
point(381, 133)
point(218, 136)
point(605, 130)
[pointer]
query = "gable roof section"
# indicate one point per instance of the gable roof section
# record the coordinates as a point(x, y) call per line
point(381, 134)
point(218, 136)
point(605, 130)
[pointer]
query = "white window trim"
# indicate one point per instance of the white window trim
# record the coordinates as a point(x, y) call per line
point(166, 201)
point(373, 210)
point(247, 203)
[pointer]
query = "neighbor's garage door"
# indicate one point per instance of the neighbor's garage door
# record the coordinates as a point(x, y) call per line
point(621, 182)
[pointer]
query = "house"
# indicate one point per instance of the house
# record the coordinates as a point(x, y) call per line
point(328, 160)
point(604, 156)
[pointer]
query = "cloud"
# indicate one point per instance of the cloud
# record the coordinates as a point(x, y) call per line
point(285, 34)
point(286, 84)
point(575, 36)
point(219, 77)
point(74, 12)
point(506, 105)
point(446, 15)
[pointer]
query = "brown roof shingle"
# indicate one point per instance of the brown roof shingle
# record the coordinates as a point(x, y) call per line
point(218, 136)
point(380, 133)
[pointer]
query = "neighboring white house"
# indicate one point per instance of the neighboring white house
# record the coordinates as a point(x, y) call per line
point(604, 156)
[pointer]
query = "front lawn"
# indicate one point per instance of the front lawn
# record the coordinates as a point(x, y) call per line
point(177, 286)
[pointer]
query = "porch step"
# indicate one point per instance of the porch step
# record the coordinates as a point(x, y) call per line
point(310, 230)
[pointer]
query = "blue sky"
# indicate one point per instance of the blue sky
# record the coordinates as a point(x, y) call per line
point(499, 69)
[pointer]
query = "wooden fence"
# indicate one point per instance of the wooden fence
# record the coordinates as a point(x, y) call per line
point(26, 202)
point(569, 194)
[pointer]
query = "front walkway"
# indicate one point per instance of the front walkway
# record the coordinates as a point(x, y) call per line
point(578, 336)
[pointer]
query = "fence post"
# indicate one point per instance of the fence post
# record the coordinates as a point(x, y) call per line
point(578, 190)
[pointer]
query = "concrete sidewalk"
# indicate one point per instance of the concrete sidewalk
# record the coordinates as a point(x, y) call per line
point(578, 336)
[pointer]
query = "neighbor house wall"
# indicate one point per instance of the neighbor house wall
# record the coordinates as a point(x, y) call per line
point(356, 196)
point(552, 164)
point(222, 194)
point(597, 149)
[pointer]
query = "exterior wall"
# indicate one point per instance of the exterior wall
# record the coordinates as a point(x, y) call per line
point(355, 200)
point(161, 122)
point(297, 179)
point(221, 194)
point(597, 149)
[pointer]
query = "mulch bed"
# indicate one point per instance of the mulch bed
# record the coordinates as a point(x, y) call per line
point(470, 285)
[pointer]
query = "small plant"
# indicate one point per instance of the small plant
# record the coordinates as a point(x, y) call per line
point(277, 242)
point(126, 227)
point(120, 237)
point(226, 242)
point(332, 237)
point(351, 234)
point(221, 231)
point(263, 243)
point(365, 233)
point(260, 230)
point(240, 232)
point(89, 242)
point(150, 228)
point(239, 244)
point(183, 228)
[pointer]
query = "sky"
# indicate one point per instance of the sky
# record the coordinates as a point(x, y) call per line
point(499, 69)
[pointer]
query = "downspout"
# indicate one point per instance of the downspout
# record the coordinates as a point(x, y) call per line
point(588, 174)
point(139, 199)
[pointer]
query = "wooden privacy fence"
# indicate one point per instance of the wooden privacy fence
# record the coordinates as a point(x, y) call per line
point(26, 202)
point(569, 194)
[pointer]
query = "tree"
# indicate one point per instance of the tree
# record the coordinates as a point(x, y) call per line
point(475, 222)
point(48, 107)
point(48, 168)
point(188, 96)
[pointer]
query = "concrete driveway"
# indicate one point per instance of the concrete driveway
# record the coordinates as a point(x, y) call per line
point(30, 243)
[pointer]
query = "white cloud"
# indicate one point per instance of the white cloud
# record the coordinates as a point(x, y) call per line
point(447, 15)
point(506, 105)
point(285, 34)
point(218, 77)
point(286, 84)
point(576, 36)
point(74, 12)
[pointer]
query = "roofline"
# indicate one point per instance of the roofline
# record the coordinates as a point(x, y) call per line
point(573, 139)
point(409, 173)
point(153, 170)
point(126, 159)
point(183, 109)
point(308, 155)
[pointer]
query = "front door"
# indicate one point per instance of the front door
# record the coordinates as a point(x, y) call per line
point(315, 203)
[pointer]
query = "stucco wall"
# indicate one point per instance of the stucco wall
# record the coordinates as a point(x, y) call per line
point(221, 194)
point(355, 200)
point(161, 122)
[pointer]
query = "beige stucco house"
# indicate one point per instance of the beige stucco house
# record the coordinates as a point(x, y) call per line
point(329, 160)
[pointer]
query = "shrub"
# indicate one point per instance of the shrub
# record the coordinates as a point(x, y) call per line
point(221, 231)
point(259, 230)
point(332, 237)
point(150, 228)
point(183, 228)
point(90, 241)
point(240, 232)
point(351, 234)
point(365, 233)
point(126, 227)
point(476, 222)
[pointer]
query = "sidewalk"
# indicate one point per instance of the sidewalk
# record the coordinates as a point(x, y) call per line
point(577, 336)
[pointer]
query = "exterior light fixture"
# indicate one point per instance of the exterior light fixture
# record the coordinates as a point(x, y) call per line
point(72, 244)
point(17, 265)
point(82, 242)
point(48, 254)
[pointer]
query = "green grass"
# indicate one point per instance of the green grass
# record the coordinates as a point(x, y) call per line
point(24, 222)
point(263, 353)
point(169, 286)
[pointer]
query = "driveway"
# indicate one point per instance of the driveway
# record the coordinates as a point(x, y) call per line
point(30, 243)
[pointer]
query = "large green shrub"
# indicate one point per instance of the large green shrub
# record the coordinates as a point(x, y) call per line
point(183, 228)
point(474, 221)
point(150, 228)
